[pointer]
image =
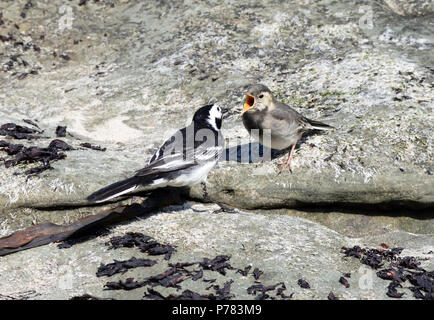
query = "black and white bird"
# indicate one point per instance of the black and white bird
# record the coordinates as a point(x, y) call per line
point(183, 160)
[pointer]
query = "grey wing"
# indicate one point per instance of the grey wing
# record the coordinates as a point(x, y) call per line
point(286, 120)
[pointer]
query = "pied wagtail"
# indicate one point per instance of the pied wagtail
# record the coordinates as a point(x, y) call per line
point(183, 160)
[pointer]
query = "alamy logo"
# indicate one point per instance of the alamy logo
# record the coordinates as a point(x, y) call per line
point(366, 279)
point(67, 18)
point(65, 281)
point(366, 22)
point(205, 145)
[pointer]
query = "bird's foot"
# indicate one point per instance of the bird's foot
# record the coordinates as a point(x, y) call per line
point(224, 208)
point(287, 163)
point(283, 166)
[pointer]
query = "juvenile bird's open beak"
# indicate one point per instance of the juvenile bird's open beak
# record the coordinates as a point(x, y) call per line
point(248, 103)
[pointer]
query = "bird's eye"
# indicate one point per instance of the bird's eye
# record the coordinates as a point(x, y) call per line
point(261, 96)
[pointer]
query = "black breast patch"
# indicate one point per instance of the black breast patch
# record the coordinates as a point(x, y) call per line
point(218, 122)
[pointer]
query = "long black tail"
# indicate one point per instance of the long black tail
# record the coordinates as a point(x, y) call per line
point(319, 125)
point(114, 190)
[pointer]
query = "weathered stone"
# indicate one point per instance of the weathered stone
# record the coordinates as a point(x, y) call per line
point(126, 77)
point(285, 248)
point(129, 85)
point(411, 7)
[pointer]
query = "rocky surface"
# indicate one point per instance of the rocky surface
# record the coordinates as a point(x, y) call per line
point(125, 75)
point(129, 85)
point(284, 248)
point(410, 7)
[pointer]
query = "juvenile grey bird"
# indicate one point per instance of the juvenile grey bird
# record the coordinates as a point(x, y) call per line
point(183, 160)
point(262, 111)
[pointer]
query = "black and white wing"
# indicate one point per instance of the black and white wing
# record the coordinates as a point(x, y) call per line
point(183, 151)
point(178, 153)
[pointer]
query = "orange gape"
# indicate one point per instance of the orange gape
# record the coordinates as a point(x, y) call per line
point(248, 104)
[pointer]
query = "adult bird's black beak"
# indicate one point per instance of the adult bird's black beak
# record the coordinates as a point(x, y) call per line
point(225, 112)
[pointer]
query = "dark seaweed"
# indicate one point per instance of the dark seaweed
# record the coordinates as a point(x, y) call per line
point(400, 270)
point(185, 295)
point(391, 274)
point(303, 284)
point(9, 148)
point(35, 154)
point(198, 275)
point(38, 169)
point(372, 257)
point(391, 290)
point(332, 296)
point(169, 278)
point(257, 273)
point(61, 131)
point(15, 131)
point(244, 272)
point(122, 266)
point(89, 146)
point(130, 240)
point(218, 264)
point(60, 145)
point(178, 272)
point(145, 243)
point(128, 284)
point(409, 262)
point(65, 57)
point(28, 121)
point(225, 292)
point(344, 282)
point(259, 287)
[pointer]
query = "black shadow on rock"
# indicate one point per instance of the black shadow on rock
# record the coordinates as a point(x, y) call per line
point(254, 152)
point(45, 233)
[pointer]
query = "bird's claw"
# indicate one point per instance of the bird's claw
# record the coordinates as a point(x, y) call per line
point(283, 166)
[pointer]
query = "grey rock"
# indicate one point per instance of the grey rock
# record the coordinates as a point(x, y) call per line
point(130, 85)
point(285, 248)
point(411, 7)
point(136, 73)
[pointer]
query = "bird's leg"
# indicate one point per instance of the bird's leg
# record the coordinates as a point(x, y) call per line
point(287, 163)
point(223, 208)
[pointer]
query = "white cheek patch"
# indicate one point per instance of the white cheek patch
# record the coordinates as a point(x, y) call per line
point(213, 115)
